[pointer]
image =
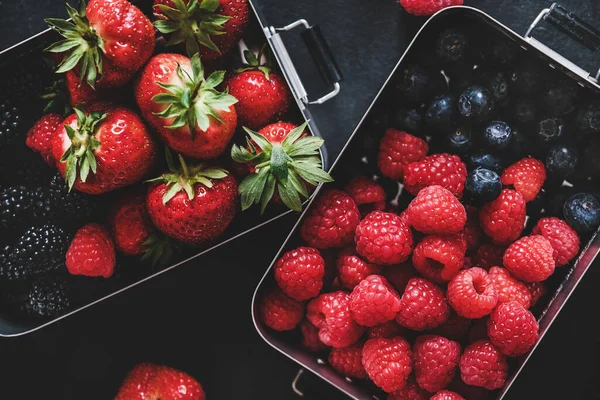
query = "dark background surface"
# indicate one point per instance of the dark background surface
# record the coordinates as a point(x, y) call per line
point(197, 317)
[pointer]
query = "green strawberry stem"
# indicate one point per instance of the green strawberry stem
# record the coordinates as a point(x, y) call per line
point(197, 101)
point(193, 24)
point(253, 62)
point(159, 249)
point(81, 44)
point(282, 166)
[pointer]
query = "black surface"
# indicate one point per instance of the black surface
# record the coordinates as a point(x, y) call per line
point(197, 317)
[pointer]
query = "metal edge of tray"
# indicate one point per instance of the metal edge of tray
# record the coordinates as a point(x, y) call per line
point(588, 254)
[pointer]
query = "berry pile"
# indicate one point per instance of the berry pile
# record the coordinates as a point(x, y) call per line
point(77, 198)
point(445, 236)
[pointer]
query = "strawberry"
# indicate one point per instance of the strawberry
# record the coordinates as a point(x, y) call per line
point(282, 160)
point(39, 137)
point(210, 27)
point(105, 43)
point(263, 95)
point(91, 252)
point(186, 110)
point(193, 204)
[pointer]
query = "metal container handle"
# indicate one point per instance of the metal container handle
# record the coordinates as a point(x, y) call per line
point(570, 24)
point(320, 53)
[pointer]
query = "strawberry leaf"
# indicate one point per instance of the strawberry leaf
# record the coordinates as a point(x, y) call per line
point(214, 79)
point(209, 5)
point(167, 26)
point(267, 193)
point(289, 196)
point(171, 192)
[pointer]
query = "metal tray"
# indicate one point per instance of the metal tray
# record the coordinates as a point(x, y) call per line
point(562, 284)
point(27, 56)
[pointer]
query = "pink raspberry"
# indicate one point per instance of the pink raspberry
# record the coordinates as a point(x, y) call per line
point(374, 301)
point(352, 269)
point(512, 329)
point(435, 361)
point(348, 361)
point(482, 364)
point(299, 273)
point(388, 362)
point(472, 294)
point(423, 306)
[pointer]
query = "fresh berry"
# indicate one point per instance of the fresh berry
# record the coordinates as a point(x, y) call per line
point(485, 160)
point(382, 238)
point(299, 273)
point(366, 193)
point(443, 169)
point(537, 290)
point(508, 288)
point(512, 329)
point(79, 92)
point(436, 210)
point(483, 365)
point(459, 141)
point(446, 395)
point(47, 298)
point(587, 120)
point(409, 120)
point(91, 252)
point(472, 294)
point(310, 337)
point(348, 361)
point(497, 83)
point(440, 114)
point(525, 111)
point(482, 185)
point(472, 231)
point(489, 255)
point(561, 161)
point(497, 135)
point(330, 313)
point(397, 150)
point(525, 79)
point(439, 257)
point(558, 97)
point(387, 330)
point(32, 169)
point(192, 203)
point(530, 258)
point(331, 221)
point(399, 275)
point(374, 301)
point(427, 7)
point(416, 85)
point(16, 203)
point(476, 104)
point(352, 269)
point(527, 176)
point(423, 306)
point(451, 46)
point(435, 361)
point(39, 137)
point(11, 124)
point(564, 240)
point(549, 131)
point(150, 381)
point(591, 157)
point(106, 43)
point(497, 51)
point(71, 207)
point(456, 328)
point(503, 219)
point(388, 362)
point(411, 391)
point(520, 145)
point(130, 224)
point(582, 212)
point(280, 312)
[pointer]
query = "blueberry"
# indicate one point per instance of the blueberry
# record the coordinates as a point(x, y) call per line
point(587, 120)
point(409, 120)
point(561, 161)
point(485, 160)
point(476, 104)
point(591, 157)
point(525, 111)
point(482, 185)
point(520, 145)
point(559, 97)
point(416, 85)
point(499, 50)
point(498, 135)
point(497, 83)
point(459, 141)
point(440, 113)
point(451, 46)
point(582, 212)
point(525, 79)
point(549, 131)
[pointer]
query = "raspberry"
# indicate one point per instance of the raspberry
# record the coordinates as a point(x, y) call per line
point(382, 238)
point(482, 364)
point(367, 194)
point(467, 391)
point(509, 288)
point(374, 301)
point(468, 263)
point(472, 231)
point(348, 361)
point(472, 293)
point(439, 257)
point(443, 169)
point(537, 290)
point(331, 221)
point(530, 259)
point(446, 395)
point(399, 275)
point(352, 269)
point(436, 211)
point(512, 329)
point(310, 337)
point(456, 328)
point(387, 330)
point(330, 312)
point(435, 361)
point(564, 240)
point(388, 362)
point(411, 391)
point(91, 252)
point(280, 312)
point(404, 216)
point(423, 306)
point(504, 218)
point(489, 255)
point(299, 273)
point(398, 149)
point(527, 176)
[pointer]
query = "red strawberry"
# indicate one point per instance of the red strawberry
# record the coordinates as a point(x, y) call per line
point(310, 337)
point(564, 240)
point(374, 301)
point(211, 27)
point(91, 252)
point(423, 306)
point(427, 7)
point(435, 361)
point(130, 223)
point(383, 238)
point(263, 95)
point(483, 365)
point(80, 93)
point(193, 204)
point(504, 218)
point(509, 288)
point(283, 163)
point(366, 193)
point(348, 361)
point(530, 259)
point(388, 362)
point(527, 176)
point(436, 210)
point(352, 269)
point(200, 126)
point(299, 273)
point(103, 150)
point(279, 311)
point(39, 137)
point(439, 257)
point(398, 149)
point(106, 42)
point(446, 170)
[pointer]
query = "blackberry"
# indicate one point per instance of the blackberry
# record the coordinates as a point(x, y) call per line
point(21, 166)
point(71, 206)
point(39, 250)
point(15, 204)
point(47, 298)
point(11, 124)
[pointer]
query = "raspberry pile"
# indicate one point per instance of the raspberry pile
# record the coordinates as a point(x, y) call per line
point(436, 288)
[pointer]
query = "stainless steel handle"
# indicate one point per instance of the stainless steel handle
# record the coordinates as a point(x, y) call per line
point(295, 382)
